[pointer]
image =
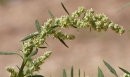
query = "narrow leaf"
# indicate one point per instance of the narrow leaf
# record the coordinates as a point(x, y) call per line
point(72, 72)
point(52, 16)
point(100, 73)
point(10, 53)
point(30, 36)
point(125, 71)
point(123, 7)
point(18, 67)
point(79, 73)
point(46, 43)
point(35, 76)
point(43, 47)
point(110, 68)
point(64, 73)
point(38, 27)
point(33, 53)
point(84, 74)
point(54, 26)
point(64, 8)
point(63, 42)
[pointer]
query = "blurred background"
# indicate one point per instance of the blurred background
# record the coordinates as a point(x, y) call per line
point(85, 52)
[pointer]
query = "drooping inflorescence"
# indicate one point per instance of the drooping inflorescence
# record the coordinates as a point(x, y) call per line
point(78, 19)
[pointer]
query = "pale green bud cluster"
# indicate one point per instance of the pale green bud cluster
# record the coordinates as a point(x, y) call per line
point(27, 47)
point(78, 12)
point(35, 64)
point(126, 75)
point(13, 73)
point(78, 19)
point(64, 36)
point(98, 22)
point(116, 28)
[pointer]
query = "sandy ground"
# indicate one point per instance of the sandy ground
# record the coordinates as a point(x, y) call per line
point(86, 52)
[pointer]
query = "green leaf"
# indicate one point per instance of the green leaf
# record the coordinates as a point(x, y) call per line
point(54, 26)
point(43, 47)
point(125, 71)
point(18, 67)
point(35, 76)
point(33, 53)
point(10, 53)
point(100, 73)
point(38, 27)
point(46, 43)
point(64, 8)
point(63, 42)
point(72, 72)
point(79, 73)
point(64, 73)
point(52, 16)
point(30, 36)
point(84, 74)
point(110, 68)
point(123, 7)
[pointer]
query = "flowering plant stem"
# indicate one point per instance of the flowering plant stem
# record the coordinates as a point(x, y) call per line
point(20, 74)
point(53, 26)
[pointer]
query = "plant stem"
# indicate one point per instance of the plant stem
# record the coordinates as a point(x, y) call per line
point(20, 74)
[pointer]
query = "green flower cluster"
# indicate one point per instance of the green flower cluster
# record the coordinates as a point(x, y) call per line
point(34, 65)
point(31, 44)
point(13, 73)
point(89, 20)
point(78, 19)
point(126, 75)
